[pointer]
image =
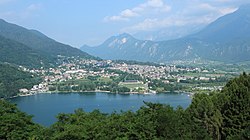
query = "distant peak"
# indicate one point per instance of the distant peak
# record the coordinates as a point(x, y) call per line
point(1, 20)
point(85, 45)
point(126, 35)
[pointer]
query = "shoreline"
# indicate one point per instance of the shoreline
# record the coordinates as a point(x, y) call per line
point(58, 92)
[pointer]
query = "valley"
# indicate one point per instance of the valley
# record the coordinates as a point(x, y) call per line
point(81, 75)
point(193, 85)
point(200, 62)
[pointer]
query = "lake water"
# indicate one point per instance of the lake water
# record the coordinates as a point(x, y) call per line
point(44, 107)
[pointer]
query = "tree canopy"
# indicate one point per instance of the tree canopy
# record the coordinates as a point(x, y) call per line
point(12, 79)
point(218, 115)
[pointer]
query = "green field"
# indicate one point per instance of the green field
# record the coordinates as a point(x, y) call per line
point(133, 85)
point(104, 79)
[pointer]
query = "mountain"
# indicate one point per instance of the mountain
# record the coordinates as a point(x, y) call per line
point(38, 41)
point(123, 47)
point(226, 39)
point(14, 52)
point(234, 26)
point(126, 47)
point(169, 33)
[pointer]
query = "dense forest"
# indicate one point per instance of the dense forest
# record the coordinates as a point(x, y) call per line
point(12, 79)
point(218, 115)
point(20, 54)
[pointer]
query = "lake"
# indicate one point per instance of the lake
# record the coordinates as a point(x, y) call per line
point(44, 107)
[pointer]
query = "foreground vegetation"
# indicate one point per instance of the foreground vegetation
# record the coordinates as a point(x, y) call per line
point(223, 115)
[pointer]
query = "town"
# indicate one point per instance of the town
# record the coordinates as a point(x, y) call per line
point(81, 75)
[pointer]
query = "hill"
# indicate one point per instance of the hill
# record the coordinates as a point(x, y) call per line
point(19, 54)
point(226, 39)
point(12, 79)
point(38, 41)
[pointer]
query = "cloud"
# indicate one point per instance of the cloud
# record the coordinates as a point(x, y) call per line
point(34, 7)
point(30, 10)
point(153, 6)
point(192, 12)
point(228, 10)
point(156, 24)
point(219, 10)
point(128, 13)
point(124, 16)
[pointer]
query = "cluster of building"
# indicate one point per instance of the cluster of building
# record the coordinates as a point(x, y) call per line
point(153, 72)
point(79, 69)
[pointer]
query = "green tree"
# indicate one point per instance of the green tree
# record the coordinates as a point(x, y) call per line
point(236, 109)
point(14, 124)
point(205, 114)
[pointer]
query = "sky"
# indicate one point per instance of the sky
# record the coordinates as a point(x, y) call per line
point(79, 22)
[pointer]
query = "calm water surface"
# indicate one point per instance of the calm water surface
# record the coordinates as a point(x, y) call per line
point(44, 107)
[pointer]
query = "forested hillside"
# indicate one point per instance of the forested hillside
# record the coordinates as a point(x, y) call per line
point(222, 115)
point(19, 54)
point(38, 41)
point(12, 79)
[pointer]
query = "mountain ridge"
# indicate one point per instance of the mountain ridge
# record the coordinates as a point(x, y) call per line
point(17, 53)
point(38, 41)
point(221, 40)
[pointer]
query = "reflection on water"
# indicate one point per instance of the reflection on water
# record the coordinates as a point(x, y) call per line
point(45, 107)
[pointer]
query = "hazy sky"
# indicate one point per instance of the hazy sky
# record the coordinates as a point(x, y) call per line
point(78, 22)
